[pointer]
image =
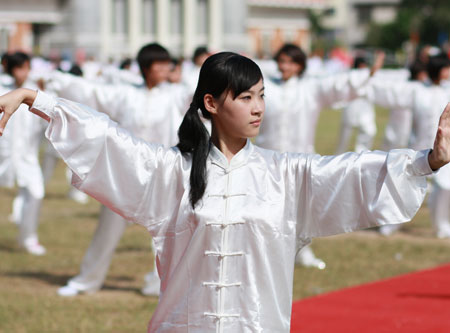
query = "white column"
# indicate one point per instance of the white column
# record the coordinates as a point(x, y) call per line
point(163, 22)
point(134, 25)
point(215, 25)
point(189, 27)
point(105, 29)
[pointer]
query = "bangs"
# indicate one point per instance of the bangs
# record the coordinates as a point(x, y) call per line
point(244, 73)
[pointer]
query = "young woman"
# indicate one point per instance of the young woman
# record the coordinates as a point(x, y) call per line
point(228, 217)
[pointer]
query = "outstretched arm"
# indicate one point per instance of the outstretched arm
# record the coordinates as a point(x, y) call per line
point(440, 154)
point(11, 101)
point(108, 163)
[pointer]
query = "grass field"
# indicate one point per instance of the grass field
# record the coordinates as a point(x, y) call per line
point(28, 284)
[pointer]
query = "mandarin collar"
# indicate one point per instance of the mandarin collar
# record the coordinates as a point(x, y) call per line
point(241, 158)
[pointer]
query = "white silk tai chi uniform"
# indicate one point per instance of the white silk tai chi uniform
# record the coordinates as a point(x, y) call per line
point(228, 264)
point(292, 112)
point(150, 114)
point(427, 104)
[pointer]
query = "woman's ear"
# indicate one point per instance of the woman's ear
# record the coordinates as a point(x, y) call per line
point(210, 103)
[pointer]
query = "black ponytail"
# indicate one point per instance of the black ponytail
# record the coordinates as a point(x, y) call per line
point(194, 140)
point(221, 72)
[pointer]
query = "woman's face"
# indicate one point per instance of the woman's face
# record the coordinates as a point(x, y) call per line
point(288, 67)
point(240, 117)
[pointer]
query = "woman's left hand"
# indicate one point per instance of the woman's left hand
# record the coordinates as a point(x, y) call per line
point(440, 155)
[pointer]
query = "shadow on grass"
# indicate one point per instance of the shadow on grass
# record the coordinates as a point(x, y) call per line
point(55, 196)
point(11, 248)
point(50, 278)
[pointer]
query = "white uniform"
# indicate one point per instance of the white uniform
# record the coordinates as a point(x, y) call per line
point(398, 128)
point(19, 164)
point(228, 265)
point(292, 111)
point(293, 108)
point(153, 115)
point(359, 114)
point(427, 104)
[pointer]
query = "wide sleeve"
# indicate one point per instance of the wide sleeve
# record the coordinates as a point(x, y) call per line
point(353, 191)
point(340, 87)
point(106, 98)
point(391, 94)
point(142, 182)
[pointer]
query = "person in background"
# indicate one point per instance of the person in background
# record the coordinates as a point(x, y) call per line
point(153, 113)
point(191, 70)
point(359, 114)
point(293, 105)
point(426, 103)
point(19, 160)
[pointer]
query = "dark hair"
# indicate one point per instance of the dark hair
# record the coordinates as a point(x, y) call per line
point(5, 61)
point(295, 53)
point(150, 53)
point(199, 51)
point(125, 63)
point(435, 65)
point(221, 72)
point(16, 59)
point(359, 61)
point(75, 70)
point(415, 69)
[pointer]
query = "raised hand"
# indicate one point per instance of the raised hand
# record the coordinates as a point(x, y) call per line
point(440, 155)
point(378, 62)
point(11, 101)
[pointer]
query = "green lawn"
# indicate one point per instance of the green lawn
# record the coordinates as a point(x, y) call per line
point(28, 284)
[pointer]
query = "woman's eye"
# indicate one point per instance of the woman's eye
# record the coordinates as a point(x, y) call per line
point(263, 96)
point(246, 97)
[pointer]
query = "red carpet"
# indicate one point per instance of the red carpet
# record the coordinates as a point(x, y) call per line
point(416, 302)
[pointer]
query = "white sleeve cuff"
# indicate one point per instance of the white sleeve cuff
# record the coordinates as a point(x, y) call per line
point(44, 104)
point(420, 164)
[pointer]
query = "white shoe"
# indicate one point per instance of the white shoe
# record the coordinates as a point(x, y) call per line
point(78, 196)
point(68, 291)
point(32, 246)
point(152, 284)
point(316, 263)
point(441, 234)
point(388, 229)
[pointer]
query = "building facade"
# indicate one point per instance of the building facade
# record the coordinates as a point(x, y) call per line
point(76, 29)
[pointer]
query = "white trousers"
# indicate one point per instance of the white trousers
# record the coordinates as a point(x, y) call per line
point(366, 132)
point(97, 259)
point(29, 207)
point(439, 205)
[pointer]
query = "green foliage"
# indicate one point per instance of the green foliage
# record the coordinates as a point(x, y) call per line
point(426, 19)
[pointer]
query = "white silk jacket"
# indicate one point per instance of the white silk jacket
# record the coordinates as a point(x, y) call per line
point(293, 108)
point(228, 265)
point(427, 105)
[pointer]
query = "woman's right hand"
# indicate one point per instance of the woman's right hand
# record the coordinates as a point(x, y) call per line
point(11, 101)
